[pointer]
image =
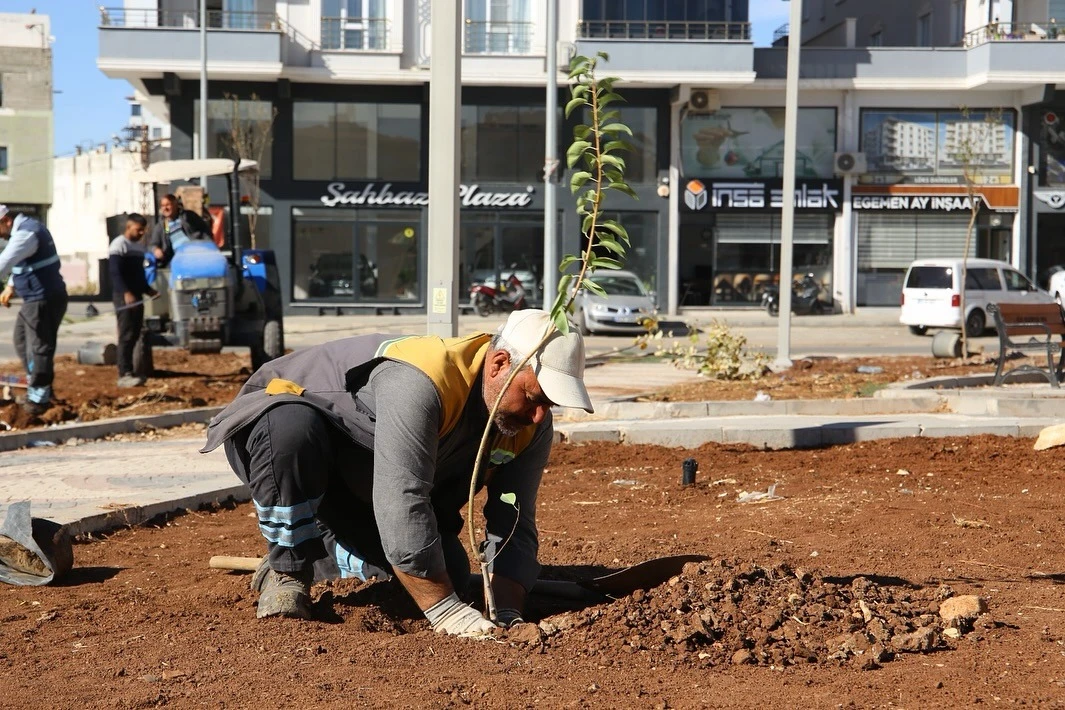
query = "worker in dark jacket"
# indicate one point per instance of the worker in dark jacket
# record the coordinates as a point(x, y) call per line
point(176, 226)
point(128, 288)
point(359, 452)
point(31, 259)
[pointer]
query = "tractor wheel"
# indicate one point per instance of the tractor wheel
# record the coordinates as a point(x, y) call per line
point(273, 345)
point(143, 365)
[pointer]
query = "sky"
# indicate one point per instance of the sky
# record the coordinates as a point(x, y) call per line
point(90, 108)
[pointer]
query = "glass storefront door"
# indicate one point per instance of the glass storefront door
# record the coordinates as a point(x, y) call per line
point(493, 245)
point(357, 256)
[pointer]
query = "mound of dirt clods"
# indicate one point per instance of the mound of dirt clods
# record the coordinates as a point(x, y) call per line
point(728, 612)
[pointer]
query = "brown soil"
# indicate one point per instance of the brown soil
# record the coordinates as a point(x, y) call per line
point(814, 600)
point(89, 392)
point(830, 378)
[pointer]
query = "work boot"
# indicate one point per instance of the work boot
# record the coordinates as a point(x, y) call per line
point(282, 593)
point(35, 409)
point(130, 381)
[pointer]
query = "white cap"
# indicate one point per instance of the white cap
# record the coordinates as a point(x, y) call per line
point(559, 366)
point(3, 211)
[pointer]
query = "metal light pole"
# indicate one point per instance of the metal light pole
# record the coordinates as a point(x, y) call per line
point(787, 215)
point(203, 92)
point(550, 279)
point(444, 94)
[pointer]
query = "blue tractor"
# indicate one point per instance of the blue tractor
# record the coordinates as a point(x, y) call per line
point(210, 298)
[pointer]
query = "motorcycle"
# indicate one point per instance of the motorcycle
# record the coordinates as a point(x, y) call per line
point(805, 298)
point(486, 300)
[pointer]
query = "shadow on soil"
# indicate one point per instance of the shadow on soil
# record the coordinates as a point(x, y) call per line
point(87, 575)
point(878, 579)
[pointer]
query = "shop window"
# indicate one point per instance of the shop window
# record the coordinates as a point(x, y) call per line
point(732, 258)
point(641, 256)
point(3, 160)
point(220, 118)
point(356, 141)
point(367, 256)
point(503, 143)
point(924, 30)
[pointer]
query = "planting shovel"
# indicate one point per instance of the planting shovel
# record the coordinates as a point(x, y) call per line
point(644, 575)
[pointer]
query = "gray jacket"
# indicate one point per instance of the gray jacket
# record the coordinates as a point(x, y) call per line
point(393, 409)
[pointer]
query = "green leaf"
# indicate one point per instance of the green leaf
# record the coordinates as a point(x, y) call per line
point(561, 321)
point(564, 282)
point(615, 128)
point(613, 160)
point(573, 153)
point(579, 90)
point(574, 103)
point(593, 287)
point(605, 262)
point(609, 97)
point(610, 243)
point(586, 224)
point(578, 180)
point(615, 227)
point(603, 55)
point(623, 188)
point(566, 261)
point(606, 116)
point(508, 498)
point(581, 131)
point(617, 145)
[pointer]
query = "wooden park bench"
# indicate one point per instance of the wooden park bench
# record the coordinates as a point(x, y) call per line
point(1045, 325)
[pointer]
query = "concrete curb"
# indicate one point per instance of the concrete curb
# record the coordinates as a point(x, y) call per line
point(139, 514)
point(105, 427)
point(760, 433)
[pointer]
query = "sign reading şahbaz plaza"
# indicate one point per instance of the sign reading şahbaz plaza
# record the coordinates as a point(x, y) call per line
point(370, 194)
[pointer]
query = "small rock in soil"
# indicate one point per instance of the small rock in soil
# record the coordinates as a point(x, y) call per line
point(962, 611)
point(525, 633)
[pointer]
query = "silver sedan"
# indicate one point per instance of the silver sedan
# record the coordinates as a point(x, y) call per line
point(623, 310)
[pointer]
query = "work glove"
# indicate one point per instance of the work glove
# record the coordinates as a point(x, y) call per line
point(450, 616)
point(508, 617)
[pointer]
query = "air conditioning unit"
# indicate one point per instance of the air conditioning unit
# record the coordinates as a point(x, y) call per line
point(849, 163)
point(696, 100)
point(704, 101)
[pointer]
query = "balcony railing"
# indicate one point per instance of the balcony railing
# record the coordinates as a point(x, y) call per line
point(1011, 31)
point(363, 34)
point(498, 37)
point(672, 31)
point(181, 19)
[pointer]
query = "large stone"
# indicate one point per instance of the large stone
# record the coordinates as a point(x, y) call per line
point(1050, 437)
point(964, 609)
point(525, 633)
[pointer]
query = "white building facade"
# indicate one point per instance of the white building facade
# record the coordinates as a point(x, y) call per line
point(345, 84)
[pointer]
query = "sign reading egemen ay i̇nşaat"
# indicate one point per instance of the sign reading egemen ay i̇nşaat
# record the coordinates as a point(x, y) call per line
point(370, 194)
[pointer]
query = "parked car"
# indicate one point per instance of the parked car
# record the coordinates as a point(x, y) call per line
point(626, 304)
point(331, 276)
point(931, 293)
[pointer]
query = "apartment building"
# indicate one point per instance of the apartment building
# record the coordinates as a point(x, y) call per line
point(343, 84)
point(25, 113)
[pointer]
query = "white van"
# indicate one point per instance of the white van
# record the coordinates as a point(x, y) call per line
point(931, 293)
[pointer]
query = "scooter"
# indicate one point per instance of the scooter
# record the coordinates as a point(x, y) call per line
point(487, 300)
point(805, 298)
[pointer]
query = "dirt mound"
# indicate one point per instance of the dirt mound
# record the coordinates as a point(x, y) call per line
point(733, 612)
point(87, 393)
